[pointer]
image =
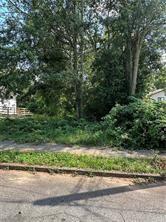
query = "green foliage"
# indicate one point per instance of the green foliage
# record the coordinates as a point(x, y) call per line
point(40, 129)
point(47, 50)
point(141, 124)
point(108, 83)
point(160, 78)
point(68, 57)
point(150, 71)
point(82, 161)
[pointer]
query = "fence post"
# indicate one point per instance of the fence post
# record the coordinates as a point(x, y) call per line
point(8, 112)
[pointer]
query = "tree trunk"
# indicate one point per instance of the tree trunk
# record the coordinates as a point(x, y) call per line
point(129, 66)
point(76, 77)
point(136, 58)
point(134, 50)
point(81, 60)
point(78, 64)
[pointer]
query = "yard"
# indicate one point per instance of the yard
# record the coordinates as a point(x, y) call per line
point(138, 125)
point(41, 129)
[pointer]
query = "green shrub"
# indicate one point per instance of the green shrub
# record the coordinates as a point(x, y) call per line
point(141, 124)
point(41, 129)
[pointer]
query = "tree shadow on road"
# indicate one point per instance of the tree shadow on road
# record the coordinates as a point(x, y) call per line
point(60, 200)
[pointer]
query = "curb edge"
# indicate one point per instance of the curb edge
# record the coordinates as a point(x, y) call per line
point(75, 171)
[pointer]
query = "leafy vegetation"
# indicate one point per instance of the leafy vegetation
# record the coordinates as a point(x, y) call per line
point(80, 57)
point(83, 161)
point(139, 125)
point(40, 129)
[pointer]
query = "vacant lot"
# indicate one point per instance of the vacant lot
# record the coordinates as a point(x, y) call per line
point(135, 126)
point(46, 129)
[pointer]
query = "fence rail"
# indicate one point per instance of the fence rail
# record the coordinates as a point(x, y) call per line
point(8, 110)
point(23, 112)
point(13, 111)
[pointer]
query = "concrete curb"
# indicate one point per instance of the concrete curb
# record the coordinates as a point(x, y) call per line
point(75, 171)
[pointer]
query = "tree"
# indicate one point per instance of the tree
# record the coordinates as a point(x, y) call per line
point(138, 20)
point(108, 83)
point(79, 56)
point(35, 60)
point(53, 37)
point(160, 80)
point(110, 71)
point(48, 47)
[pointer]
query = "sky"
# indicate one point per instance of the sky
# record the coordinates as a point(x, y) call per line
point(3, 10)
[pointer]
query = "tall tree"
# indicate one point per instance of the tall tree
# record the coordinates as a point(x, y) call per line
point(80, 55)
point(138, 20)
point(51, 37)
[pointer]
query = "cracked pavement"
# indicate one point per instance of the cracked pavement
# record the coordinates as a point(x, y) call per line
point(27, 197)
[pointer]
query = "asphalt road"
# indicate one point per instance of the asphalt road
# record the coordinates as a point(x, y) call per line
point(64, 198)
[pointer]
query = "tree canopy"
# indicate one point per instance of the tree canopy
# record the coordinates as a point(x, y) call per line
point(80, 57)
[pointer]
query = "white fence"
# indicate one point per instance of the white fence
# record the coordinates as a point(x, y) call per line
point(8, 110)
point(13, 111)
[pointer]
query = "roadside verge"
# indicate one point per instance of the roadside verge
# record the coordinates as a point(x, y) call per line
point(83, 164)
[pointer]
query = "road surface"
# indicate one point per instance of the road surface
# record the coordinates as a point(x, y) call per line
point(27, 197)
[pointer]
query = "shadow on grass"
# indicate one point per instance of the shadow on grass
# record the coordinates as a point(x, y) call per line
point(54, 201)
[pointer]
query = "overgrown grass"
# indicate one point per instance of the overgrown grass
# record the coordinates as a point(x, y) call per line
point(124, 127)
point(84, 161)
point(39, 129)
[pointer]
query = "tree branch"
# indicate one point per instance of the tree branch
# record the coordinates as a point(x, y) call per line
point(17, 7)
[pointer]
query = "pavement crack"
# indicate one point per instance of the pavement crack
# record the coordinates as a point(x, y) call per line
point(122, 217)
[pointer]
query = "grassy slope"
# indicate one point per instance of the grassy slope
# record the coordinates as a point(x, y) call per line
point(85, 162)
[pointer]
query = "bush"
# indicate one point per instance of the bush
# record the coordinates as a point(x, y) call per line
point(141, 124)
point(41, 129)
